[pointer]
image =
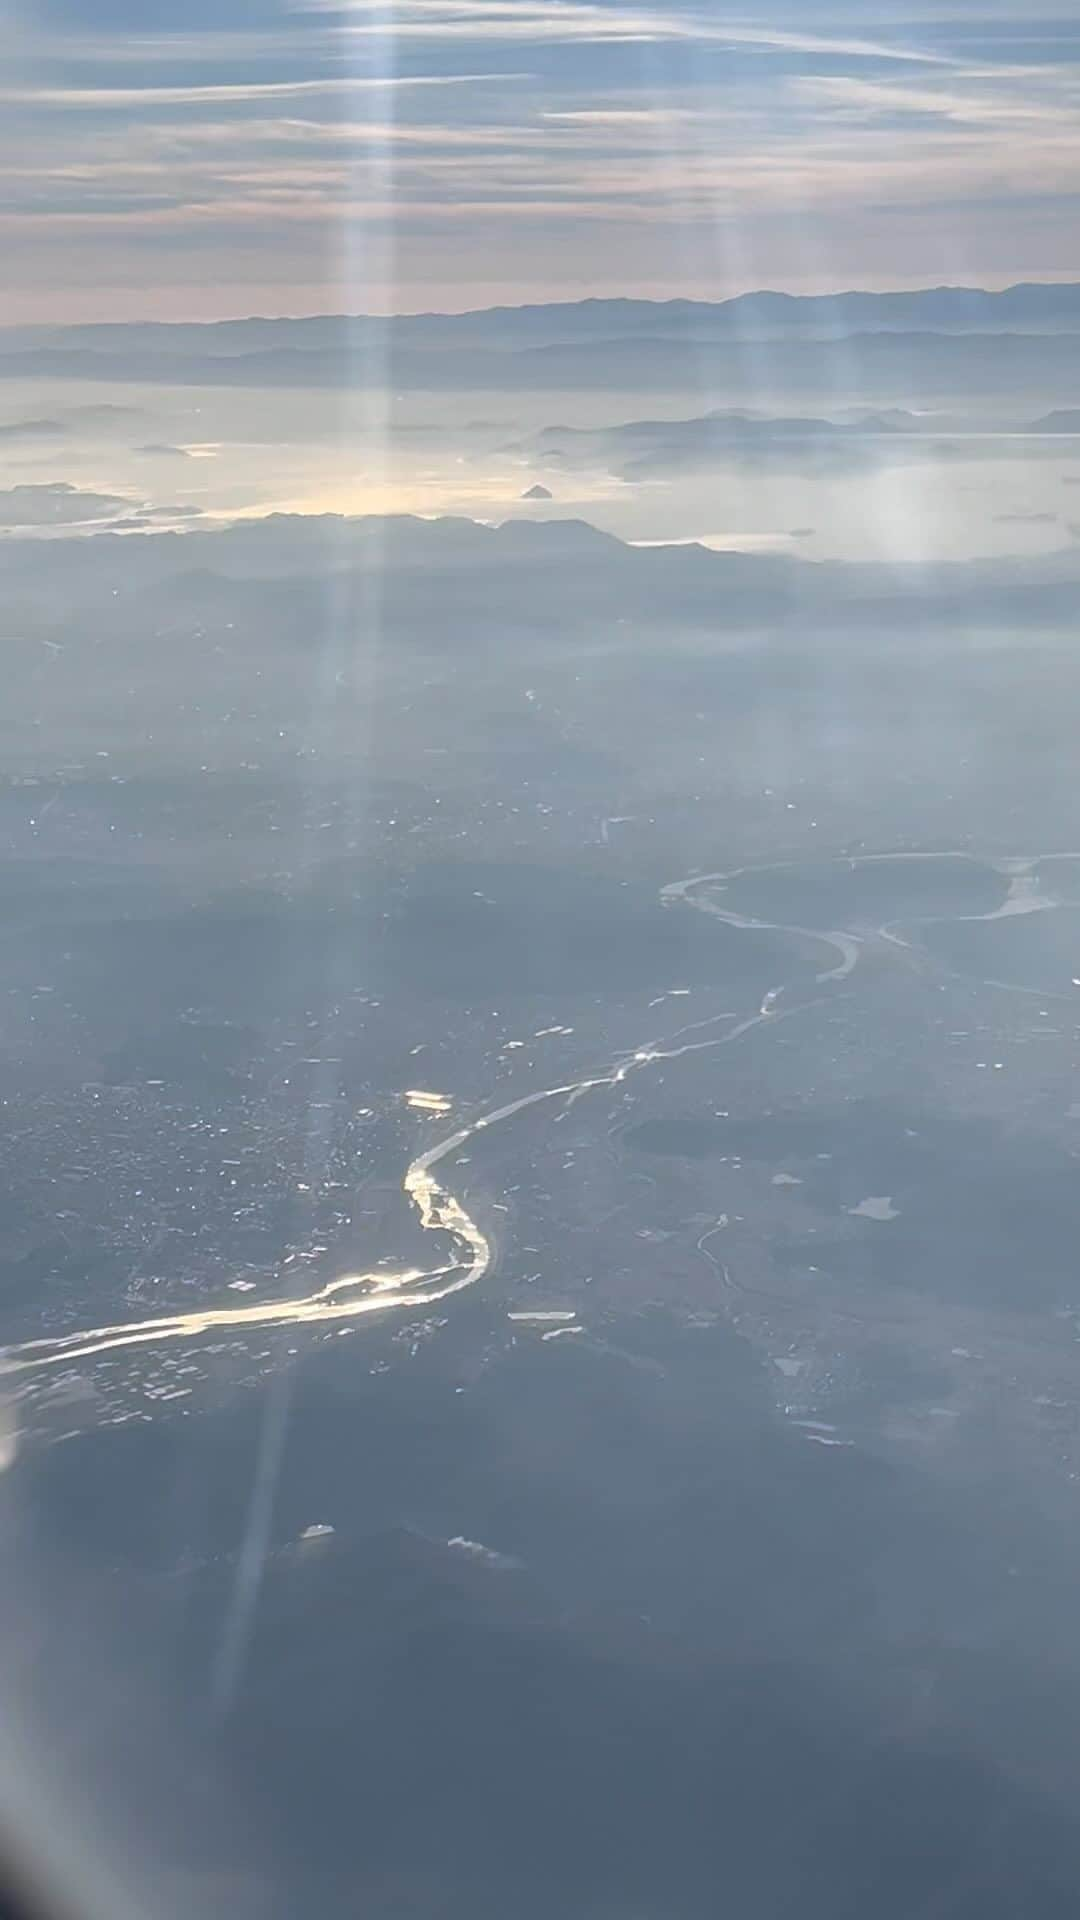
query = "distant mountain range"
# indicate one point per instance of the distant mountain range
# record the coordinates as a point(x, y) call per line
point(635, 448)
point(486, 573)
point(922, 348)
point(1026, 308)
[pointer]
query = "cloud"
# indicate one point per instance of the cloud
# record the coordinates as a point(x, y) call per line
point(1064, 420)
point(56, 503)
point(577, 20)
point(270, 160)
point(32, 430)
point(185, 512)
point(233, 93)
point(111, 414)
point(59, 506)
point(486, 1556)
point(150, 519)
point(111, 18)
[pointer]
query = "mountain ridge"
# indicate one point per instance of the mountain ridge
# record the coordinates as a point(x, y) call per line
point(1052, 304)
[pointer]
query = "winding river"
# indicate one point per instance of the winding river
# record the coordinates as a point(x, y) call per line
point(471, 1253)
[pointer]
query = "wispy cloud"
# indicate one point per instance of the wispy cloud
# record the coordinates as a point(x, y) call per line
point(569, 20)
point(235, 93)
point(740, 149)
point(971, 100)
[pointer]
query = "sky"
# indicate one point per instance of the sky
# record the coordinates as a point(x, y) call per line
point(227, 157)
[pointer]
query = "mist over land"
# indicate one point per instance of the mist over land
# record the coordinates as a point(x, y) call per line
point(540, 867)
point(631, 931)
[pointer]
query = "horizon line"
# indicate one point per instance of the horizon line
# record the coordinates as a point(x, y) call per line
point(248, 318)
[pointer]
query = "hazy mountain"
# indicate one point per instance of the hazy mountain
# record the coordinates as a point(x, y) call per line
point(947, 339)
point(639, 447)
point(1063, 420)
point(1025, 308)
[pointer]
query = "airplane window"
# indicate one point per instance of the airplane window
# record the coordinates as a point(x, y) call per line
point(540, 959)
